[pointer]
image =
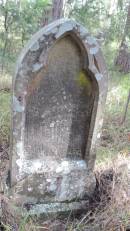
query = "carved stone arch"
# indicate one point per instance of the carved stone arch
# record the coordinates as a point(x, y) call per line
point(72, 36)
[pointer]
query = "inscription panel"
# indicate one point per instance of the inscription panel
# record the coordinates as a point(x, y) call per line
point(59, 105)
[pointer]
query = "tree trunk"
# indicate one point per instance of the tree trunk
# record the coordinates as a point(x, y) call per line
point(6, 27)
point(123, 58)
point(127, 25)
point(53, 12)
point(126, 108)
point(57, 9)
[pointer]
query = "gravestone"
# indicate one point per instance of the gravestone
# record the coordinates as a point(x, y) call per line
point(59, 93)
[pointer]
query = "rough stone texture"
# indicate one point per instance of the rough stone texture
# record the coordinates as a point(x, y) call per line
point(21, 218)
point(59, 93)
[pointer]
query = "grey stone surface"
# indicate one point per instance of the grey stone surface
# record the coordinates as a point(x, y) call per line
point(59, 93)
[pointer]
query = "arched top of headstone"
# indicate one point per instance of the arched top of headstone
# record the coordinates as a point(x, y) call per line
point(45, 38)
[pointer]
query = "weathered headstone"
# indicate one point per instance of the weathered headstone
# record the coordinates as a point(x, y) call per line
point(59, 93)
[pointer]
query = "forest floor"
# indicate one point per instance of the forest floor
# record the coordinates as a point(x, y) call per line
point(109, 207)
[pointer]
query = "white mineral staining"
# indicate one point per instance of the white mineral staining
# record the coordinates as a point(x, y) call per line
point(40, 186)
point(65, 164)
point(37, 67)
point(35, 47)
point(101, 122)
point(67, 26)
point(46, 42)
point(21, 73)
point(52, 186)
point(16, 105)
point(99, 76)
point(68, 166)
point(98, 135)
point(81, 163)
point(54, 30)
point(94, 50)
point(91, 40)
point(52, 125)
point(42, 38)
point(59, 169)
point(37, 165)
point(18, 162)
point(83, 31)
point(30, 189)
point(15, 133)
point(28, 166)
point(21, 161)
point(19, 147)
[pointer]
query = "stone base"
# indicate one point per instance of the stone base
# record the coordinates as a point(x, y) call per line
point(52, 181)
point(14, 216)
point(54, 189)
point(58, 208)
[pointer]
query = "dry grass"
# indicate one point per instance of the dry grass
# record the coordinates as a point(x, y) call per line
point(5, 82)
point(109, 208)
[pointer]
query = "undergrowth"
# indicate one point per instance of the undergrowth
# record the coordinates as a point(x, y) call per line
point(5, 113)
point(5, 82)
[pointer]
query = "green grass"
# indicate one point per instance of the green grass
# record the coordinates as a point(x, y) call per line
point(5, 109)
point(110, 51)
point(115, 134)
